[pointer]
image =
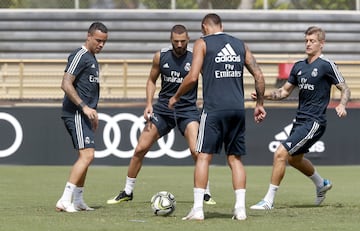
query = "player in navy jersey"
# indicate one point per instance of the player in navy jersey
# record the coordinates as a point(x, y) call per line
point(172, 65)
point(314, 77)
point(221, 58)
point(81, 86)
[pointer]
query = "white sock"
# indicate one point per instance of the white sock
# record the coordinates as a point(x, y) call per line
point(240, 198)
point(78, 195)
point(207, 190)
point(270, 195)
point(317, 179)
point(130, 185)
point(199, 198)
point(68, 192)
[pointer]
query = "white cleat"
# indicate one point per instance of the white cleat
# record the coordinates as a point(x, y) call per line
point(197, 215)
point(262, 205)
point(65, 206)
point(321, 192)
point(82, 207)
point(239, 214)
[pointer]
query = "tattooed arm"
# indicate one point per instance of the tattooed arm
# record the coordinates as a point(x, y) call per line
point(277, 94)
point(345, 96)
point(281, 93)
point(255, 71)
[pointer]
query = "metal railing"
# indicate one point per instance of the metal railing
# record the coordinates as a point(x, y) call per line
point(126, 79)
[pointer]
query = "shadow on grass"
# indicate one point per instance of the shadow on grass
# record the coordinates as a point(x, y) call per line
point(212, 215)
point(184, 202)
point(307, 206)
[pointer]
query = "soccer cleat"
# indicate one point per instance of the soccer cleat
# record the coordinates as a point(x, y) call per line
point(82, 207)
point(262, 205)
point(197, 215)
point(64, 206)
point(239, 214)
point(120, 198)
point(208, 200)
point(321, 192)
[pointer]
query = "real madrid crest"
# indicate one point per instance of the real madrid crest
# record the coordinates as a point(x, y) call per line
point(314, 72)
point(187, 67)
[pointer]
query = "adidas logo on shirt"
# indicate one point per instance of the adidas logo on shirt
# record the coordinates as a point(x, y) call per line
point(227, 54)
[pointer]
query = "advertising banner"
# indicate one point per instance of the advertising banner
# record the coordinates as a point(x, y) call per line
point(37, 136)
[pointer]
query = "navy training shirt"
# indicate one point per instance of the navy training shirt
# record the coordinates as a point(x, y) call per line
point(223, 73)
point(84, 66)
point(173, 70)
point(314, 81)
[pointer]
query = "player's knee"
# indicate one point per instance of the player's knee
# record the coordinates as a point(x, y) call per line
point(86, 156)
point(194, 154)
point(140, 151)
point(280, 155)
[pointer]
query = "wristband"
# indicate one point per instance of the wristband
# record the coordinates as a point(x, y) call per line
point(81, 105)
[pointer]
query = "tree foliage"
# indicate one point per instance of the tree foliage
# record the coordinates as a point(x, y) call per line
point(231, 4)
point(29, 4)
point(180, 4)
point(258, 4)
point(272, 4)
point(324, 4)
point(185, 4)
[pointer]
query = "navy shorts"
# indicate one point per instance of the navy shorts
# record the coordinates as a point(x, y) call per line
point(164, 123)
point(302, 136)
point(80, 130)
point(222, 128)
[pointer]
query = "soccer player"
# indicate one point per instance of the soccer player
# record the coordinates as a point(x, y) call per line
point(314, 77)
point(221, 58)
point(81, 86)
point(172, 64)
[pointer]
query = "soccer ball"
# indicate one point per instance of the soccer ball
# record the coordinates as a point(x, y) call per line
point(163, 203)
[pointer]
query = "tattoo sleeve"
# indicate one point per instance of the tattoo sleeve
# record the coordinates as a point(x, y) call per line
point(276, 94)
point(345, 93)
point(256, 72)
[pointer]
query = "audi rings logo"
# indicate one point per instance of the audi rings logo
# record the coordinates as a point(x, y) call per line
point(113, 133)
point(18, 134)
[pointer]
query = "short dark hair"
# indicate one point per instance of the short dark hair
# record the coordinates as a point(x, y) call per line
point(97, 26)
point(178, 29)
point(211, 19)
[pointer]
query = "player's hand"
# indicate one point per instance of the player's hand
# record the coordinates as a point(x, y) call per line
point(253, 96)
point(172, 102)
point(259, 114)
point(92, 115)
point(148, 113)
point(341, 110)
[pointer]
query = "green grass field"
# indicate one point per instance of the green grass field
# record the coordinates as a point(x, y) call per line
point(29, 193)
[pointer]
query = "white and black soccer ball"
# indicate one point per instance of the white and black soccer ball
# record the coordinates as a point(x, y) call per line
point(163, 203)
